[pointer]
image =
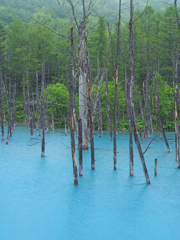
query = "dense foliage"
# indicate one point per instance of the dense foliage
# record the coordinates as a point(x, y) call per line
point(24, 43)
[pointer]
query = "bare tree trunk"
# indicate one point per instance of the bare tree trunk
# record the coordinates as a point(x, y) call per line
point(31, 122)
point(33, 111)
point(8, 109)
point(42, 110)
point(159, 116)
point(47, 122)
point(75, 120)
point(119, 119)
point(37, 104)
point(14, 105)
point(108, 107)
point(52, 116)
point(1, 100)
point(28, 104)
point(116, 86)
point(155, 169)
point(80, 147)
point(82, 88)
point(130, 89)
point(177, 16)
point(123, 117)
point(176, 112)
point(142, 114)
point(71, 112)
point(99, 116)
point(24, 98)
point(141, 156)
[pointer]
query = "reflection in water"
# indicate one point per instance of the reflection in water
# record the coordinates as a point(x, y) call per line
point(39, 201)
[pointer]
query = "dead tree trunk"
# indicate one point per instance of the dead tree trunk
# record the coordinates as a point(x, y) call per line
point(80, 147)
point(42, 110)
point(33, 112)
point(142, 114)
point(75, 120)
point(116, 86)
point(119, 119)
point(89, 102)
point(159, 116)
point(1, 100)
point(47, 122)
point(14, 105)
point(71, 112)
point(52, 116)
point(82, 87)
point(37, 104)
point(141, 155)
point(24, 98)
point(130, 89)
point(177, 16)
point(28, 103)
point(31, 122)
point(176, 112)
point(108, 107)
point(99, 116)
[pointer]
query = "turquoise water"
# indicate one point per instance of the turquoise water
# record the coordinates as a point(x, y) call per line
point(38, 200)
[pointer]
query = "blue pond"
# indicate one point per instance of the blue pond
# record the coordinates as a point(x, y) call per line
point(38, 200)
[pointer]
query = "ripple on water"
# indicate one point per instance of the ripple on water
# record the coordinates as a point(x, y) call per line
point(39, 201)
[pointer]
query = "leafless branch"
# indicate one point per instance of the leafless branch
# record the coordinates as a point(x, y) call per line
point(141, 13)
point(62, 7)
point(51, 29)
point(177, 16)
point(149, 145)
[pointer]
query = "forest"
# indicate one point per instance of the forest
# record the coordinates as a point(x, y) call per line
point(89, 91)
point(25, 44)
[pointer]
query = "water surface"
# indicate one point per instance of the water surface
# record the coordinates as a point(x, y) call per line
point(38, 200)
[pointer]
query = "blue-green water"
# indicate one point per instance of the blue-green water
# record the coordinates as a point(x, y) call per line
point(38, 200)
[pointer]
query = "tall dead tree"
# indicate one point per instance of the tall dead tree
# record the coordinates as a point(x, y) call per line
point(52, 116)
point(129, 95)
point(142, 115)
point(130, 104)
point(1, 100)
point(42, 109)
point(73, 149)
point(108, 107)
point(176, 112)
point(37, 103)
point(24, 97)
point(177, 16)
point(116, 88)
point(33, 112)
point(81, 29)
point(14, 105)
point(28, 101)
point(89, 90)
point(80, 147)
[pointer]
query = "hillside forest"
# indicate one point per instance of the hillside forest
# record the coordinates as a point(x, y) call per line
point(66, 67)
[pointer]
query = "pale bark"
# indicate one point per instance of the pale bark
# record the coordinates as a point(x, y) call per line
point(116, 87)
point(71, 112)
point(80, 147)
